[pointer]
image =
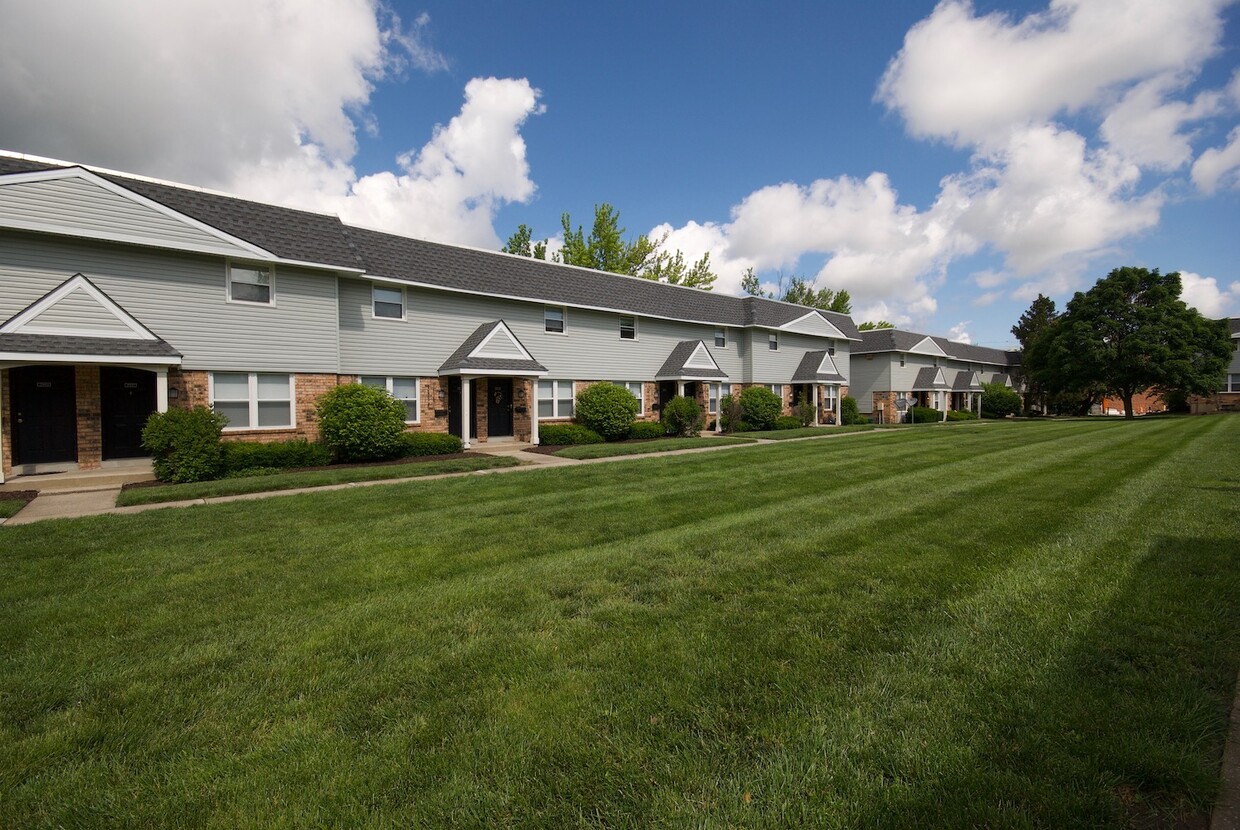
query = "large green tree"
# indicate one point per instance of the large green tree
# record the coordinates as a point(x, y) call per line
point(605, 248)
point(1031, 325)
point(1129, 333)
point(799, 290)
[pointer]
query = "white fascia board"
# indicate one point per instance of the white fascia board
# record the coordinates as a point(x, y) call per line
point(483, 373)
point(77, 282)
point(25, 358)
point(932, 348)
point(701, 358)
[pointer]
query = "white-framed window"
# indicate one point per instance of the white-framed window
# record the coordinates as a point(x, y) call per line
point(831, 350)
point(721, 338)
point(901, 361)
point(387, 303)
point(555, 399)
point(1232, 384)
point(635, 388)
point(712, 398)
point(628, 327)
point(777, 388)
point(772, 341)
point(404, 390)
point(254, 400)
point(828, 397)
point(553, 319)
point(250, 284)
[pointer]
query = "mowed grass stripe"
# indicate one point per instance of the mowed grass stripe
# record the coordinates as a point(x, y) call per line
point(594, 679)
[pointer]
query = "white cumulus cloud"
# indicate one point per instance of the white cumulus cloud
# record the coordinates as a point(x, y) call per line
point(1207, 296)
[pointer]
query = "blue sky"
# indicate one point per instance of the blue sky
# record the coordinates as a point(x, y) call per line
point(943, 162)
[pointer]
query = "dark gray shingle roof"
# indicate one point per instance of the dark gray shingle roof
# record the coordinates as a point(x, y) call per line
point(461, 361)
point(926, 380)
point(674, 366)
point(1233, 323)
point(807, 370)
point(898, 340)
point(97, 346)
point(967, 381)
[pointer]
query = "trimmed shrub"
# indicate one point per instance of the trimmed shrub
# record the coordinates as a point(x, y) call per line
point(607, 409)
point(730, 415)
point(429, 443)
point(925, 414)
point(560, 434)
point(361, 423)
point(254, 472)
point(185, 444)
point(961, 415)
point(849, 414)
point(647, 429)
point(788, 422)
point(803, 412)
point(682, 417)
point(760, 407)
point(998, 401)
point(281, 455)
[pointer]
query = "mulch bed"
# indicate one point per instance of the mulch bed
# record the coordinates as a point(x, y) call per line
point(415, 459)
point(18, 495)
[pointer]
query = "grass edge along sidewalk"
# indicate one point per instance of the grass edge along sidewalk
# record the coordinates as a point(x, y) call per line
point(1035, 629)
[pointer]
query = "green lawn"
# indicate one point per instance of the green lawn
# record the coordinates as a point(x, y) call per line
point(1031, 624)
point(807, 432)
point(642, 447)
point(310, 478)
point(9, 507)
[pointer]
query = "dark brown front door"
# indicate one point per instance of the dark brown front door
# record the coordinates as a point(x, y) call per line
point(44, 414)
point(127, 400)
point(499, 407)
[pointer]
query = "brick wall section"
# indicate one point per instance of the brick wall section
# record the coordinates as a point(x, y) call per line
point(6, 423)
point(1218, 402)
point(885, 402)
point(522, 399)
point(89, 418)
point(193, 390)
point(480, 407)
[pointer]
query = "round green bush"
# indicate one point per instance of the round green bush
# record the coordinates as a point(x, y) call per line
point(760, 407)
point(185, 444)
point(647, 429)
point(682, 416)
point(788, 422)
point(849, 413)
point(558, 435)
point(361, 423)
point(998, 401)
point(607, 409)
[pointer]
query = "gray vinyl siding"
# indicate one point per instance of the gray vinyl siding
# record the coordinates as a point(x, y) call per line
point(80, 310)
point(779, 366)
point(437, 322)
point(1235, 358)
point(902, 378)
point(81, 208)
point(869, 374)
point(181, 297)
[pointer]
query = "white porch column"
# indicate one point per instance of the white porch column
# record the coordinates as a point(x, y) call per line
point(466, 384)
point(534, 411)
point(838, 411)
point(718, 406)
point(815, 394)
point(161, 390)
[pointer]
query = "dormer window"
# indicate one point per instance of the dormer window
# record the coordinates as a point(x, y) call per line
point(553, 319)
point(249, 284)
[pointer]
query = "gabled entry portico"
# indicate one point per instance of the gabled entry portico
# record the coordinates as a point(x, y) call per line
point(493, 377)
point(819, 376)
point(687, 371)
point(79, 376)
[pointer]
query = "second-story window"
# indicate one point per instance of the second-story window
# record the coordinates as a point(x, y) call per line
point(721, 338)
point(553, 319)
point(628, 327)
point(389, 303)
point(772, 341)
point(901, 361)
point(249, 284)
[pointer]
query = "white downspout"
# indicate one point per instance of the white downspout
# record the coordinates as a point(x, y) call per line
point(534, 412)
point(466, 385)
point(161, 390)
point(718, 407)
point(815, 393)
point(1, 427)
point(839, 412)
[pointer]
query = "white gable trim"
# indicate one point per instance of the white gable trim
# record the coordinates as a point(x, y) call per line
point(939, 377)
point(701, 359)
point(928, 346)
point(17, 324)
point(501, 326)
point(827, 366)
point(813, 323)
point(150, 204)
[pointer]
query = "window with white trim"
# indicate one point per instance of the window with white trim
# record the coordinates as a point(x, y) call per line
point(635, 388)
point(628, 327)
point(404, 390)
point(387, 303)
point(777, 388)
point(1232, 384)
point(831, 350)
point(712, 399)
point(553, 319)
point(901, 361)
point(254, 400)
point(772, 341)
point(555, 399)
point(721, 338)
point(828, 397)
point(250, 284)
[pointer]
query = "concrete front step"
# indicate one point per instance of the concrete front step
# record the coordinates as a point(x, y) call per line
point(107, 478)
